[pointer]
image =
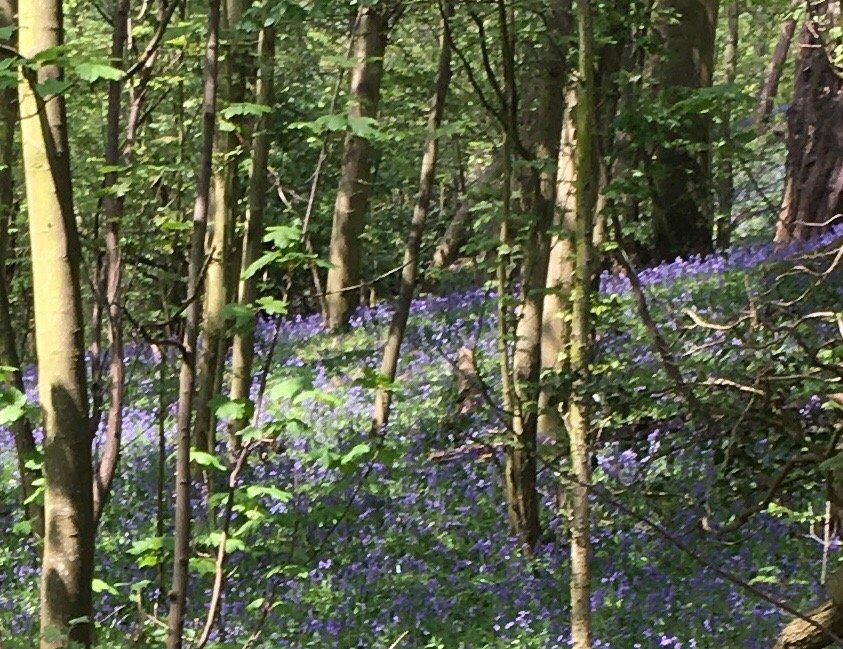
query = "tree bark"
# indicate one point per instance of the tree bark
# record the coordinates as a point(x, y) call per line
point(798, 634)
point(773, 73)
point(813, 196)
point(212, 342)
point(726, 180)
point(22, 429)
point(243, 345)
point(520, 469)
point(187, 373)
point(68, 555)
point(410, 272)
point(579, 424)
point(370, 40)
point(113, 205)
point(556, 325)
point(458, 230)
point(682, 219)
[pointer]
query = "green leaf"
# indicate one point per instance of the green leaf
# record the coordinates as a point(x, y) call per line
point(92, 72)
point(12, 406)
point(51, 87)
point(201, 458)
point(99, 586)
point(6, 33)
point(271, 492)
point(272, 306)
point(241, 109)
point(355, 454)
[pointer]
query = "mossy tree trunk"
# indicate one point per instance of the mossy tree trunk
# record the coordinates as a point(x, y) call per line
point(219, 249)
point(243, 344)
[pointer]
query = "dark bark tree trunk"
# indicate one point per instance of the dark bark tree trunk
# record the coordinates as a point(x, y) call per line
point(243, 345)
point(813, 195)
point(682, 206)
point(410, 272)
point(68, 553)
point(187, 374)
point(9, 357)
point(370, 39)
point(113, 205)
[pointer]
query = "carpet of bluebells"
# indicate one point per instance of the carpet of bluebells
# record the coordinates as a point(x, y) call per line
point(342, 540)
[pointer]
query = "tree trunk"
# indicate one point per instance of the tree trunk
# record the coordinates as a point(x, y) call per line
point(726, 180)
point(773, 73)
point(113, 206)
point(243, 345)
point(68, 556)
point(21, 429)
point(556, 325)
point(579, 424)
point(370, 39)
point(458, 230)
point(187, 375)
point(520, 470)
point(813, 196)
point(798, 634)
point(409, 274)
point(682, 219)
point(212, 343)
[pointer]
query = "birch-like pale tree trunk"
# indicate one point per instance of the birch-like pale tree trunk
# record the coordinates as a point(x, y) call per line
point(68, 553)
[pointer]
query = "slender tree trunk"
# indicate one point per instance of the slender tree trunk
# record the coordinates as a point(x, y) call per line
point(68, 557)
point(682, 219)
point(813, 197)
point(726, 181)
point(370, 39)
point(212, 345)
point(409, 274)
point(9, 357)
point(187, 375)
point(458, 230)
point(113, 206)
point(243, 346)
point(556, 325)
point(579, 424)
point(520, 470)
point(773, 73)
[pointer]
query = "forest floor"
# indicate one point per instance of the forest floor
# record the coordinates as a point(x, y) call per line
point(344, 540)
